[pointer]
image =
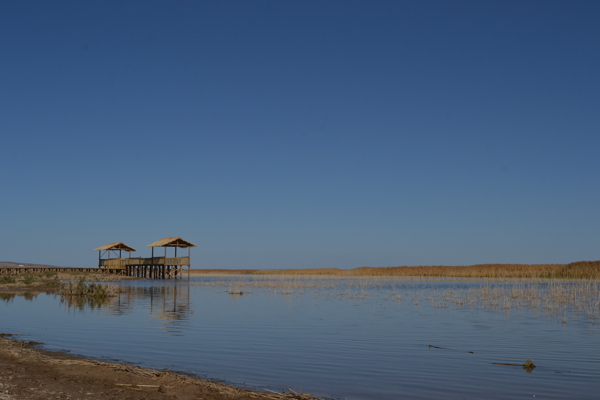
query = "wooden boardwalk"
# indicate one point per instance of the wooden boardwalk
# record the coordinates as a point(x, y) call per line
point(31, 270)
point(132, 270)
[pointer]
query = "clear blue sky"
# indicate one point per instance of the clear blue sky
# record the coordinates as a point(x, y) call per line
point(297, 134)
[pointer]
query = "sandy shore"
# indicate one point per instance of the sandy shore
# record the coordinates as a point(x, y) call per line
point(28, 373)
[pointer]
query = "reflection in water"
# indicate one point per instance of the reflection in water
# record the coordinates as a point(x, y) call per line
point(84, 302)
point(168, 304)
point(8, 297)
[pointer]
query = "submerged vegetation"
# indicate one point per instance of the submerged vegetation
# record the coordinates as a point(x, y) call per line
point(575, 270)
point(558, 298)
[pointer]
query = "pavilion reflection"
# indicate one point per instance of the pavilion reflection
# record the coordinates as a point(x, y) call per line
point(169, 304)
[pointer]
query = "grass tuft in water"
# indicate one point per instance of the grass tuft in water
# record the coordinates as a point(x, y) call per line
point(91, 290)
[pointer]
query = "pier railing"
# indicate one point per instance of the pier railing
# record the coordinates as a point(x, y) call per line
point(139, 261)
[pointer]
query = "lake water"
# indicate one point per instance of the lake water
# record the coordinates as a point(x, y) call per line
point(336, 338)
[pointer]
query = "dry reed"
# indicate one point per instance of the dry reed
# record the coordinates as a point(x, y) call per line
point(575, 270)
point(556, 298)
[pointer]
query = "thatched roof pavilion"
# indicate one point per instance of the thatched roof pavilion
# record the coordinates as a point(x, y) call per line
point(175, 242)
point(116, 246)
point(172, 242)
point(143, 267)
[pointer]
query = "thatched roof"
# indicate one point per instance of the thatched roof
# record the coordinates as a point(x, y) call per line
point(116, 246)
point(172, 242)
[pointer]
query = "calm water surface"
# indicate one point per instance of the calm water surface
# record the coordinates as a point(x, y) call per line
point(332, 340)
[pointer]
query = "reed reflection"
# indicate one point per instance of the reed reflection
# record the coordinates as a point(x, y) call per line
point(9, 297)
point(84, 303)
point(168, 304)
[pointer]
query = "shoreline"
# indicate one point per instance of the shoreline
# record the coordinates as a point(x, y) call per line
point(29, 372)
point(49, 283)
point(32, 373)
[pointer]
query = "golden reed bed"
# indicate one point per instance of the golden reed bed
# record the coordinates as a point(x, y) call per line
point(575, 270)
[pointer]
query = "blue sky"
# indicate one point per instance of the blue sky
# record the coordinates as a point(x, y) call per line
point(301, 134)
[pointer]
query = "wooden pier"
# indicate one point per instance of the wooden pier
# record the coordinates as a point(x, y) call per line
point(154, 267)
point(110, 261)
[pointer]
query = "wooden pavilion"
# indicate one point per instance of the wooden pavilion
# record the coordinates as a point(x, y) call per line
point(112, 248)
point(156, 267)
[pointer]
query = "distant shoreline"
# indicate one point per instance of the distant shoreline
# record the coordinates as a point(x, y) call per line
point(11, 264)
point(575, 270)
